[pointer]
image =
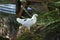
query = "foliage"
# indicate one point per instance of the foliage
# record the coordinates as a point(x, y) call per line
point(50, 27)
point(49, 21)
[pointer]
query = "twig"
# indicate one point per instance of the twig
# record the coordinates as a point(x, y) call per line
point(25, 10)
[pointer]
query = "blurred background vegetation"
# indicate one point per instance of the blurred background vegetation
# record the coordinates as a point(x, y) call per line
point(6, 1)
point(48, 22)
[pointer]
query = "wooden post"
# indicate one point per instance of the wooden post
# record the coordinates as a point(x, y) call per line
point(24, 5)
point(18, 7)
point(21, 10)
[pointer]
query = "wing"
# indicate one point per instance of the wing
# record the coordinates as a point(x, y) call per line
point(20, 20)
point(28, 22)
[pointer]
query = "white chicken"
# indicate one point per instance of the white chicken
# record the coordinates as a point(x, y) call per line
point(28, 22)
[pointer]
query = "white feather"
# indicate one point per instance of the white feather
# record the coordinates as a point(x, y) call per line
point(28, 22)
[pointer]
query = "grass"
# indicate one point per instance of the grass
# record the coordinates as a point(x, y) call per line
point(43, 19)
